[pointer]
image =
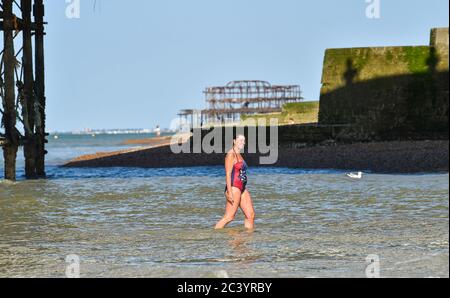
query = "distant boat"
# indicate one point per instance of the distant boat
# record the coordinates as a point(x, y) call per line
point(56, 137)
point(358, 175)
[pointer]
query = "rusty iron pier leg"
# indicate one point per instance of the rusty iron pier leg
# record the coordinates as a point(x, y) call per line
point(28, 93)
point(40, 117)
point(9, 106)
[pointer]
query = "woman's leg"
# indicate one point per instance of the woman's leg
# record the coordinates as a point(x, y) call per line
point(230, 210)
point(248, 209)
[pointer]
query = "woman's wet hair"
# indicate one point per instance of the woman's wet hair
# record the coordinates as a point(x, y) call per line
point(239, 136)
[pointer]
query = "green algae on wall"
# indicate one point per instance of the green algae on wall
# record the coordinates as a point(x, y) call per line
point(381, 89)
point(293, 113)
point(342, 66)
point(301, 107)
point(417, 59)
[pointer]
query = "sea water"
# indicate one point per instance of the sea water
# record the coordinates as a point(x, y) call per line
point(131, 222)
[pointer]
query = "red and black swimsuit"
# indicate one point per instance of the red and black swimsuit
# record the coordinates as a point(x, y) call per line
point(239, 175)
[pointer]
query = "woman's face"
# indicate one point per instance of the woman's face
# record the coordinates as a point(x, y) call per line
point(240, 143)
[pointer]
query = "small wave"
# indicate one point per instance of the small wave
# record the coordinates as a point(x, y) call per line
point(417, 260)
point(222, 274)
point(295, 171)
point(7, 182)
point(442, 243)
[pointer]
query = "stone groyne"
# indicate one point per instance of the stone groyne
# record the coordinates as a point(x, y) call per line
point(377, 157)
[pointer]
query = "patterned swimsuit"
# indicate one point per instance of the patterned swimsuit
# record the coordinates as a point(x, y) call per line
point(239, 175)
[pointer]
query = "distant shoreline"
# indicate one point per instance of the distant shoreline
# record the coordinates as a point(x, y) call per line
point(378, 157)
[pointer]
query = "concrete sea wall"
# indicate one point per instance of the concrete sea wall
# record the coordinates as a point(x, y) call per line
point(388, 92)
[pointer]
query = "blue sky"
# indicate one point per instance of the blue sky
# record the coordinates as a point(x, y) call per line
point(136, 63)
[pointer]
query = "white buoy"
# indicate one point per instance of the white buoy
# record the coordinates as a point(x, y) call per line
point(359, 175)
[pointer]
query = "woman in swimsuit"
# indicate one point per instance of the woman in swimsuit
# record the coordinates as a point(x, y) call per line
point(236, 192)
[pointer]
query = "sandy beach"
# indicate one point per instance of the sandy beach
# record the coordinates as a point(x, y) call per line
point(157, 141)
point(380, 157)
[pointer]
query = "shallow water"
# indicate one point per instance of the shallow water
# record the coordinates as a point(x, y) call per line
point(158, 223)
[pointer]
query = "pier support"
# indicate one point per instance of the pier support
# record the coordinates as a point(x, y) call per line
point(18, 77)
point(9, 97)
point(40, 89)
point(27, 96)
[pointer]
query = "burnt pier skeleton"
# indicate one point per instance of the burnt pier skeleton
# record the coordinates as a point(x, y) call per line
point(228, 103)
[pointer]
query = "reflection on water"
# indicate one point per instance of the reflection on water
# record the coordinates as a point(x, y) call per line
point(159, 223)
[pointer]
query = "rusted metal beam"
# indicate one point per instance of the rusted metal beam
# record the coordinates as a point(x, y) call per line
point(254, 100)
point(241, 111)
point(19, 25)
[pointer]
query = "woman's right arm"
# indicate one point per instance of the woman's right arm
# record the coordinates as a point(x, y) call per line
point(229, 170)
